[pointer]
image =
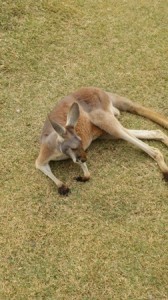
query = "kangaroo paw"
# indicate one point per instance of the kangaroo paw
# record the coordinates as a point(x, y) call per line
point(165, 176)
point(82, 178)
point(63, 190)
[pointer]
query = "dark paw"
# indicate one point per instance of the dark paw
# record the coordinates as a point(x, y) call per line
point(82, 178)
point(64, 190)
point(165, 176)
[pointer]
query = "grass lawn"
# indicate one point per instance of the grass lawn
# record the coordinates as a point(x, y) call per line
point(107, 240)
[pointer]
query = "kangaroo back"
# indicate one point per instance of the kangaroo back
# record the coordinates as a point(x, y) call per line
point(125, 104)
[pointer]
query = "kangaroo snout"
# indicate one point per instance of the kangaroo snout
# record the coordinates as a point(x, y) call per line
point(81, 159)
point(81, 156)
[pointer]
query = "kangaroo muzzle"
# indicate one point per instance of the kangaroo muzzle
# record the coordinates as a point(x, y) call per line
point(81, 156)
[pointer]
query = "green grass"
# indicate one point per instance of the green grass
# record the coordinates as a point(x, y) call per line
point(107, 240)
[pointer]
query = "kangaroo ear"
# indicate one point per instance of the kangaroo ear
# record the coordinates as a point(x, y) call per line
point(57, 127)
point(73, 115)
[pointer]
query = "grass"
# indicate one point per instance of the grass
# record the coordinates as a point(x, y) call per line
point(107, 240)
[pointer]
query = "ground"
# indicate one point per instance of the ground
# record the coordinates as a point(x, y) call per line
point(107, 240)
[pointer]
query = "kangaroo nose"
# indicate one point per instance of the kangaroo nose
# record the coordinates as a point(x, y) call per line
point(83, 159)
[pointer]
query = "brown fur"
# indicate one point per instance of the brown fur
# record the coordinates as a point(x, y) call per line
point(87, 114)
point(45, 152)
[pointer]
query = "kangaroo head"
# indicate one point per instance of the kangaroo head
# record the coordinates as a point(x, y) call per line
point(71, 143)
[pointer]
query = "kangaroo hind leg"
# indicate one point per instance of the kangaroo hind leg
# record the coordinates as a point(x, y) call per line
point(112, 126)
point(157, 135)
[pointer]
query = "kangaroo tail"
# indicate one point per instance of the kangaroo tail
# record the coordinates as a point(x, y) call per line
point(125, 104)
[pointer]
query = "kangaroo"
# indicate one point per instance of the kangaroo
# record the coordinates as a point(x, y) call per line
point(85, 115)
